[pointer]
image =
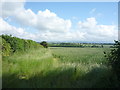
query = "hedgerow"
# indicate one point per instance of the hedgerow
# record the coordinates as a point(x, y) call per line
point(12, 44)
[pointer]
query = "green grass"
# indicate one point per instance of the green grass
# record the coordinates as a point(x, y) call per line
point(58, 68)
point(85, 55)
point(23, 66)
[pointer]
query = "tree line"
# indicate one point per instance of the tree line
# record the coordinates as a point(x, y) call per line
point(75, 45)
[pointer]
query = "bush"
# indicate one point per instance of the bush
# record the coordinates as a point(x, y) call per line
point(114, 59)
point(14, 44)
point(44, 44)
point(6, 49)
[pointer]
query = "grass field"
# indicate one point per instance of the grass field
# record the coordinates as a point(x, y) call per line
point(57, 68)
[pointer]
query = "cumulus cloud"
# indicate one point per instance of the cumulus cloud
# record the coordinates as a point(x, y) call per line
point(86, 31)
point(6, 28)
point(9, 8)
point(88, 23)
point(51, 27)
point(43, 20)
point(98, 32)
point(49, 21)
point(69, 36)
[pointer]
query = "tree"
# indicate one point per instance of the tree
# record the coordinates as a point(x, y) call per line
point(44, 44)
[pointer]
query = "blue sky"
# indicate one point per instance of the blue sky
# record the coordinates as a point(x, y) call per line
point(61, 21)
point(81, 10)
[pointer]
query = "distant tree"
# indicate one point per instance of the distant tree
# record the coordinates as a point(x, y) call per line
point(44, 44)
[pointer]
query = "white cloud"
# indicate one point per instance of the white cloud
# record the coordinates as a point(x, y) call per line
point(43, 20)
point(48, 36)
point(98, 32)
point(6, 28)
point(69, 36)
point(51, 22)
point(10, 8)
point(89, 23)
point(86, 31)
point(51, 27)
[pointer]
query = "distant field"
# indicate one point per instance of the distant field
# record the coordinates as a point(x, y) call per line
point(57, 67)
point(82, 45)
point(79, 55)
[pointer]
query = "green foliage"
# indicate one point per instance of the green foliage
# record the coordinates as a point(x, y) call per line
point(44, 44)
point(6, 49)
point(17, 44)
point(114, 58)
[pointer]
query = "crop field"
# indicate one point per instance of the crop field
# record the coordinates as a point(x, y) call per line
point(57, 67)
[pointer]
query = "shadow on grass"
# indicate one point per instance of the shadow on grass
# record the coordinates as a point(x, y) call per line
point(96, 78)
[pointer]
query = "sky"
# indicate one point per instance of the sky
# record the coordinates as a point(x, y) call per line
point(61, 21)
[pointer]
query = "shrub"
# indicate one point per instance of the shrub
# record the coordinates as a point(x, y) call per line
point(6, 49)
point(44, 44)
point(14, 44)
point(114, 59)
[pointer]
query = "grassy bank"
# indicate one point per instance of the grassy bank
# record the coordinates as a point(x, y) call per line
point(20, 67)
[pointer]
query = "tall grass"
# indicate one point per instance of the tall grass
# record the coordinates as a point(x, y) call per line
point(23, 66)
point(80, 55)
point(57, 68)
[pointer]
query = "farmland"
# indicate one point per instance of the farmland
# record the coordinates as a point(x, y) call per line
point(57, 67)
